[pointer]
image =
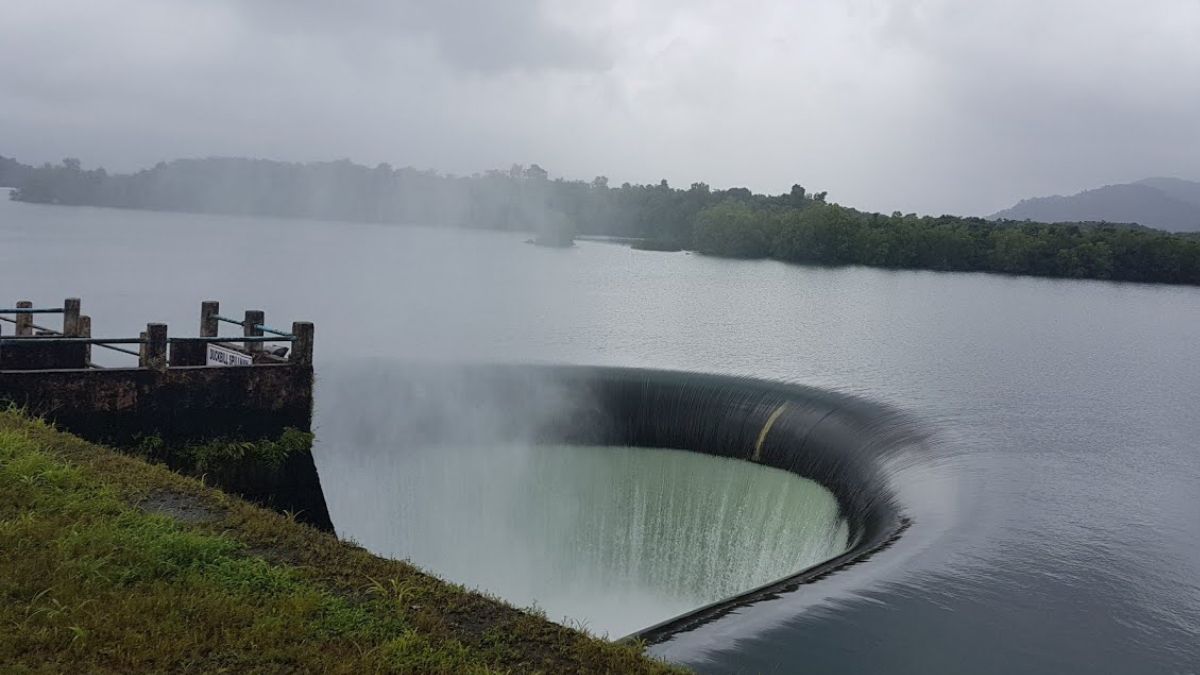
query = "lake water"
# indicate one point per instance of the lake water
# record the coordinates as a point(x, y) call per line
point(1056, 513)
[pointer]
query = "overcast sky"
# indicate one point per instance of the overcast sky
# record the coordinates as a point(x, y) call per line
point(960, 106)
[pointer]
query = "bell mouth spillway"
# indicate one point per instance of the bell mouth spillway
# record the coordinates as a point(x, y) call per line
point(838, 441)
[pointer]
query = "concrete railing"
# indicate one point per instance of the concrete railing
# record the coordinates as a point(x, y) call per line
point(34, 347)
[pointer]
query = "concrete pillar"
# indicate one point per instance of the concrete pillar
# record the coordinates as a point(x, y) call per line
point(302, 348)
point(71, 317)
point(250, 328)
point(85, 330)
point(209, 309)
point(156, 346)
point(24, 321)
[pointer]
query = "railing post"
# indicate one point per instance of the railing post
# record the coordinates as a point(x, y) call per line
point(250, 328)
point(156, 346)
point(302, 348)
point(24, 321)
point(209, 309)
point(85, 330)
point(71, 317)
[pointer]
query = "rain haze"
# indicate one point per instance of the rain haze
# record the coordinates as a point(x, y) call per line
point(927, 106)
point(753, 331)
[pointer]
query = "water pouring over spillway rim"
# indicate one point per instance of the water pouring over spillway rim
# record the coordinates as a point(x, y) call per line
point(840, 441)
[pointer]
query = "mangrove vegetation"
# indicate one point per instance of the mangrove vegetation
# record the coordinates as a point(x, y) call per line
point(796, 226)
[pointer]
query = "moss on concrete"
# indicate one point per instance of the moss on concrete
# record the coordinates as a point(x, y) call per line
point(110, 564)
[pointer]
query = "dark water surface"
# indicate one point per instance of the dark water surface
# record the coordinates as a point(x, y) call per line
point(1056, 511)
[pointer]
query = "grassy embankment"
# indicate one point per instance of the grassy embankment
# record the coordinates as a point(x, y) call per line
point(111, 564)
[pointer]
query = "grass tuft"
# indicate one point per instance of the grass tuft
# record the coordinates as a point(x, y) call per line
point(220, 452)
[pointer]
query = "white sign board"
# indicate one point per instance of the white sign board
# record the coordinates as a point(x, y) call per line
point(223, 356)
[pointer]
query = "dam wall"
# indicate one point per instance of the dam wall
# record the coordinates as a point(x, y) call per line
point(120, 405)
point(183, 392)
point(179, 406)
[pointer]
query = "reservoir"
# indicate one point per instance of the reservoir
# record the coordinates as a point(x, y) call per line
point(1054, 499)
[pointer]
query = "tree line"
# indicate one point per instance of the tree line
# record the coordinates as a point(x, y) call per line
point(796, 226)
point(829, 234)
point(521, 198)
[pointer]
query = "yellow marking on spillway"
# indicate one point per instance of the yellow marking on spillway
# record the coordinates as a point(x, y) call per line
point(762, 435)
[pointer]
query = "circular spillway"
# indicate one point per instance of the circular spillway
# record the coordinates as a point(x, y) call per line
point(622, 501)
point(612, 539)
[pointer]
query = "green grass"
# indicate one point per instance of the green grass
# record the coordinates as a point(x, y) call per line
point(97, 576)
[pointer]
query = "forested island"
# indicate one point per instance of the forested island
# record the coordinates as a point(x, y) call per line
point(797, 226)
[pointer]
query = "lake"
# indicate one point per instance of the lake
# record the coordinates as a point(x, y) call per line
point(1056, 511)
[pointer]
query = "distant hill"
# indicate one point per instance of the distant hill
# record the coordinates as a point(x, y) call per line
point(1165, 203)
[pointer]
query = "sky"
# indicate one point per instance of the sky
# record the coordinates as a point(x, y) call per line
point(927, 106)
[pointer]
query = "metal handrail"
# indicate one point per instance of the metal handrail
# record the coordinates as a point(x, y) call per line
point(117, 349)
point(33, 326)
point(56, 340)
point(106, 343)
point(31, 310)
point(258, 326)
point(267, 329)
point(59, 332)
point(234, 338)
point(50, 339)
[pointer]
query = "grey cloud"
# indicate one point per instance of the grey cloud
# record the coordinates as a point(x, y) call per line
point(486, 37)
point(1058, 96)
point(919, 105)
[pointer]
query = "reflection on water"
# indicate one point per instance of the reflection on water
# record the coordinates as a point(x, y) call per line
point(614, 539)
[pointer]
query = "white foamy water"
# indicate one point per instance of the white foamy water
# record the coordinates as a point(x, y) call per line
point(613, 539)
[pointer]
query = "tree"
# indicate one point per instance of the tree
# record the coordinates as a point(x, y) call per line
point(732, 228)
point(798, 197)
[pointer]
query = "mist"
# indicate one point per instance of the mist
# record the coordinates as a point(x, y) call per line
point(791, 191)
